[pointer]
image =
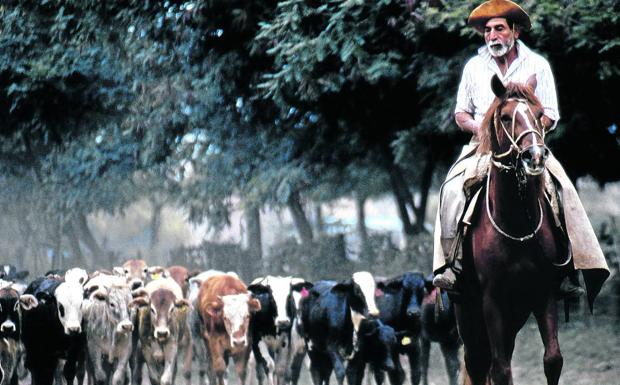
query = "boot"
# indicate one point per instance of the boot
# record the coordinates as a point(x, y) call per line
point(568, 289)
point(445, 280)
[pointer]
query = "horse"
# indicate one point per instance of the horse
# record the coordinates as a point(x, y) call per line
point(512, 248)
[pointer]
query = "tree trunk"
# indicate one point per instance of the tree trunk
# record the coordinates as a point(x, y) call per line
point(403, 197)
point(318, 215)
point(155, 224)
point(425, 186)
point(361, 220)
point(86, 236)
point(299, 218)
point(254, 235)
point(74, 243)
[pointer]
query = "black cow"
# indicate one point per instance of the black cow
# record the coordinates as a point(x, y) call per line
point(332, 314)
point(53, 330)
point(377, 346)
point(441, 329)
point(399, 300)
point(11, 306)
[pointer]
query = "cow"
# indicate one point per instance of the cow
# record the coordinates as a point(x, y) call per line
point(109, 327)
point(440, 328)
point(162, 313)
point(195, 320)
point(331, 315)
point(180, 275)
point(11, 306)
point(225, 307)
point(400, 300)
point(271, 327)
point(10, 273)
point(377, 346)
point(135, 272)
point(52, 332)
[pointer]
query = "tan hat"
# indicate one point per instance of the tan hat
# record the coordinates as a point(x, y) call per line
point(498, 8)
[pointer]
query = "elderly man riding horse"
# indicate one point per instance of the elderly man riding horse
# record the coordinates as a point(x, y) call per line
point(501, 21)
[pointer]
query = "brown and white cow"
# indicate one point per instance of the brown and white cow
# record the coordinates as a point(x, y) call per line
point(226, 307)
point(109, 328)
point(162, 313)
point(135, 272)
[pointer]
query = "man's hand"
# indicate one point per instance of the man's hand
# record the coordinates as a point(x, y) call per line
point(546, 122)
point(467, 123)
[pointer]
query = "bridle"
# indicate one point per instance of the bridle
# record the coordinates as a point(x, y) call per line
point(519, 172)
point(514, 142)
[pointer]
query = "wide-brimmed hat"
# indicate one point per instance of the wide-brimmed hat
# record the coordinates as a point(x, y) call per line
point(498, 8)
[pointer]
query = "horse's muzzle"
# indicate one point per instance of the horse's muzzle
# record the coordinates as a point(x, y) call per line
point(533, 159)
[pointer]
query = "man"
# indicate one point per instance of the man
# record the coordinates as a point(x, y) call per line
point(501, 21)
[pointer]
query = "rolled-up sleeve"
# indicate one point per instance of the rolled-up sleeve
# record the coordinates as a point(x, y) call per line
point(546, 93)
point(464, 101)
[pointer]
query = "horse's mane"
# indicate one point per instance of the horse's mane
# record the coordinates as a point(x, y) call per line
point(513, 90)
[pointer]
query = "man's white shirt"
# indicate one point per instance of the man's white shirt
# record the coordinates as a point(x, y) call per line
point(475, 94)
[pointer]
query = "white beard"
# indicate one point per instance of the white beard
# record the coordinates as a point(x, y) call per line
point(502, 50)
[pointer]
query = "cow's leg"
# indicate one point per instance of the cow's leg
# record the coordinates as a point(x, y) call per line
point(378, 374)
point(337, 362)
point(241, 364)
point(188, 355)
point(548, 326)
point(396, 375)
point(320, 367)
point(413, 353)
point(355, 371)
point(43, 373)
point(260, 363)
point(425, 349)
point(295, 367)
point(450, 351)
point(218, 364)
point(170, 362)
point(69, 370)
point(136, 363)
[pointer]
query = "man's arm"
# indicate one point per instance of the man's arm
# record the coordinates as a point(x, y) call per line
point(466, 122)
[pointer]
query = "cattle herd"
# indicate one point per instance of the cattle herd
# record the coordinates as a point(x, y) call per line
point(109, 327)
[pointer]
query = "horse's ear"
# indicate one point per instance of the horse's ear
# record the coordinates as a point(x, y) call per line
point(497, 86)
point(532, 82)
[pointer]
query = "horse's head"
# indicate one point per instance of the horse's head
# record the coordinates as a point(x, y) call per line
point(512, 130)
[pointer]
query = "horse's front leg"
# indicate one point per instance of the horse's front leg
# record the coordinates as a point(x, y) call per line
point(548, 326)
point(502, 332)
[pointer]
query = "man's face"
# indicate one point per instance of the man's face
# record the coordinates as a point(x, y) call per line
point(499, 37)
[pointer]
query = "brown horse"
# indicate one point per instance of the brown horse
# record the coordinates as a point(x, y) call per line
point(510, 249)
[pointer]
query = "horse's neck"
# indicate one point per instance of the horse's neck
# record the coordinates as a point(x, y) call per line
point(509, 203)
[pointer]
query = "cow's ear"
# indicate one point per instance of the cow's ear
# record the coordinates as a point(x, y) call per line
point(28, 301)
point(43, 297)
point(99, 295)
point(342, 287)
point(182, 304)
point(298, 284)
point(214, 308)
point(258, 289)
point(428, 283)
point(138, 302)
point(118, 270)
point(253, 305)
point(22, 274)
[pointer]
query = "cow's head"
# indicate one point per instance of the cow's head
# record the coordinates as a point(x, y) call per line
point(69, 298)
point(411, 287)
point(236, 311)
point(285, 296)
point(360, 291)
point(77, 275)
point(135, 272)
point(163, 305)
point(114, 301)
point(10, 305)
